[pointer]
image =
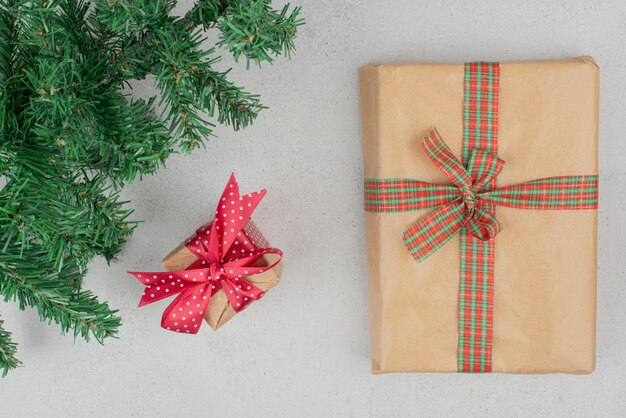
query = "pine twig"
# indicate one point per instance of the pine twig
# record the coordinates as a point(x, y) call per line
point(55, 296)
point(8, 361)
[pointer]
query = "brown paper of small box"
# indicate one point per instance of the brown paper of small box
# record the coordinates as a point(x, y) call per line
point(219, 311)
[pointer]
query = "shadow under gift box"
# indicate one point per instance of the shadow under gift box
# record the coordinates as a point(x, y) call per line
point(219, 311)
point(545, 260)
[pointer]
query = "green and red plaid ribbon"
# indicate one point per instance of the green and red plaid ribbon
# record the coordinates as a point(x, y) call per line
point(467, 207)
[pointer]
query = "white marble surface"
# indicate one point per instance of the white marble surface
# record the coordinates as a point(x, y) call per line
point(303, 350)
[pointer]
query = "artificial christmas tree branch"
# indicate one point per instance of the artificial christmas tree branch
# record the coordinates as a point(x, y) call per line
point(70, 138)
point(57, 298)
point(7, 351)
point(250, 28)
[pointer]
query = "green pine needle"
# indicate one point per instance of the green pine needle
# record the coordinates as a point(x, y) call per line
point(7, 351)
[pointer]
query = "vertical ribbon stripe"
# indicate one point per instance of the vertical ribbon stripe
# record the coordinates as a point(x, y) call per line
point(480, 132)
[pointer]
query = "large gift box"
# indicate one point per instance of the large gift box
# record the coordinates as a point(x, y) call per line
point(497, 208)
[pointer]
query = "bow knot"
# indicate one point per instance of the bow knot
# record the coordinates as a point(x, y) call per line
point(468, 209)
point(469, 198)
point(472, 183)
point(216, 272)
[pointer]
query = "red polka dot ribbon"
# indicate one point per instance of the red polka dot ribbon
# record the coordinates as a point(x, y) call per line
point(226, 256)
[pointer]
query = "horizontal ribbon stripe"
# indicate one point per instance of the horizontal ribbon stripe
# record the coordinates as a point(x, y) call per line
point(468, 204)
point(552, 193)
point(401, 195)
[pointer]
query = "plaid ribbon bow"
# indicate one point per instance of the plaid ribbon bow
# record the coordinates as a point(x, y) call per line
point(466, 203)
point(467, 207)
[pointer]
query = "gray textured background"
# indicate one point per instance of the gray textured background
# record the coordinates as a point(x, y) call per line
point(303, 350)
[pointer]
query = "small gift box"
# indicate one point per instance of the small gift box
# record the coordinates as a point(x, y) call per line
point(501, 269)
point(217, 272)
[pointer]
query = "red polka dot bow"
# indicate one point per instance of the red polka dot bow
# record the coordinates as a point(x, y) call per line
point(225, 257)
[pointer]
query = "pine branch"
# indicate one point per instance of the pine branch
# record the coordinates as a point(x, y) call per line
point(191, 89)
point(55, 294)
point(179, 57)
point(253, 29)
point(7, 351)
point(233, 105)
point(191, 86)
point(249, 27)
point(205, 13)
point(72, 214)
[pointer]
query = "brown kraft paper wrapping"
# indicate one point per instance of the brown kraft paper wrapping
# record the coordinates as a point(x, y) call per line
point(219, 311)
point(545, 261)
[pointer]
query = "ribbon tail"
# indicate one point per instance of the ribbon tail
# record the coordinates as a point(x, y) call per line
point(186, 312)
point(435, 229)
point(551, 193)
point(161, 285)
